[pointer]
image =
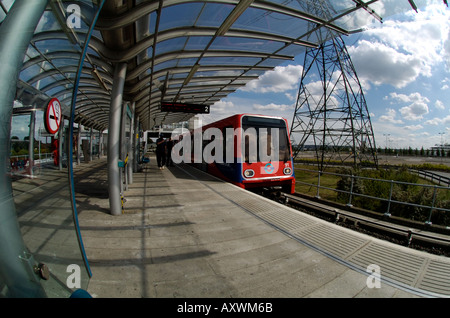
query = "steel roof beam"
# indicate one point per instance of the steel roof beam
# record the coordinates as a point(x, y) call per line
point(143, 83)
point(144, 9)
point(116, 56)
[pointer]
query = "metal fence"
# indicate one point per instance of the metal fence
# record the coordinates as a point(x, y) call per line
point(389, 199)
point(434, 177)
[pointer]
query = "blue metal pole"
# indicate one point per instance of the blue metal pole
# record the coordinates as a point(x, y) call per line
point(16, 264)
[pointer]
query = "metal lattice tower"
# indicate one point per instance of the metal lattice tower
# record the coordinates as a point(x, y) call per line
point(331, 113)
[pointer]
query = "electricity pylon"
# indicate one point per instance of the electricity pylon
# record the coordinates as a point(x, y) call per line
point(331, 114)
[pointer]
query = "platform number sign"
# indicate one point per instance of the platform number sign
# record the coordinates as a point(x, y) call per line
point(53, 116)
point(184, 108)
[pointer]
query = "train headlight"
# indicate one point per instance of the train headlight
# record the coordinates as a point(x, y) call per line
point(287, 171)
point(249, 173)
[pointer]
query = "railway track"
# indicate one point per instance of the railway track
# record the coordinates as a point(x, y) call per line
point(420, 239)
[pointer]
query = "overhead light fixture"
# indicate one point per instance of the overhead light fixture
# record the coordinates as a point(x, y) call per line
point(99, 78)
point(233, 16)
point(191, 74)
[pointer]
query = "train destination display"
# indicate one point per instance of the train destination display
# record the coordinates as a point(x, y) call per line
point(184, 108)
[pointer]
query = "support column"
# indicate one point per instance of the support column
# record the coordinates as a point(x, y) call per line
point(114, 126)
point(79, 144)
point(31, 142)
point(123, 148)
point(137, 153)
point(100, 146)
point(90, 144)
point(16, 263)
point(131, 156)
point(60, 144)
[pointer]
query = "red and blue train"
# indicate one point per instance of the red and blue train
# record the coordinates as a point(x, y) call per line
point(253, 152)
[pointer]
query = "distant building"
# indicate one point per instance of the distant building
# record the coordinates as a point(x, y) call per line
point(444, 147)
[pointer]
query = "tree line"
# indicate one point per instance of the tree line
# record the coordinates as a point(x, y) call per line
point(415, 152)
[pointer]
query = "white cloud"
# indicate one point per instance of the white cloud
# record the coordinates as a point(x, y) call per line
point(446, 50)
point(417, 105)
point(415, 111)
point(219, 110)
point(222, 106)
point(439, 121)
point(289, 96)
point(413, 127)
point(390, 117)
point(380, 64)
point(398, 52)
point(272, 107)
point(281, 79)
point(445, 83)
point(439, 105)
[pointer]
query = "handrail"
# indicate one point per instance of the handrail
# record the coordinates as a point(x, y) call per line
point(433, 176)
point(351, 193)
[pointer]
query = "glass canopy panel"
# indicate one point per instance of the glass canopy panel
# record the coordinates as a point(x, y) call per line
point(47, 80)
point(152, 22)
point(270, 62)
point(242, 81)
point(180, 15)
point(356, 20)
point(229, 61)
point(246, 44)
point(179, 75)
point(31, 53)
point(213, 14)
point(48, 22)
point(292, 50)
point(55, 45)
point(61, 62)
point(198, 83)
point(271, 22)
point(186, 62)
point(233, 73)
point(55, 91)
point(171, 45)
point(164, 66)
point(198, 42)
point(255, 72)
point(171, 86)
point(30, 72)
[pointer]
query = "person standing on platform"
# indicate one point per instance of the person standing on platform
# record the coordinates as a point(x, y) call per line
point(161, 152)
point(170, 144)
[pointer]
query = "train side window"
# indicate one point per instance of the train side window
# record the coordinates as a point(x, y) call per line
point(227, 147)
point(284, 145)
point(250, 145)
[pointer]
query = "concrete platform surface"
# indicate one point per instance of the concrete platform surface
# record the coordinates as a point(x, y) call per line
point(178, 238)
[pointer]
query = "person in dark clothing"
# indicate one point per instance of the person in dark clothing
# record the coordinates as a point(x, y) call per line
point(170, 144)
point(161, 152)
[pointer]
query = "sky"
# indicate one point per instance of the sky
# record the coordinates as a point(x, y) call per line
point(403, 65)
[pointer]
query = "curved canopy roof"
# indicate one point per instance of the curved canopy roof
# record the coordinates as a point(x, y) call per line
point(176, 50)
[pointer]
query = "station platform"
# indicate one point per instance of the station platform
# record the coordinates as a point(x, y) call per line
point(186, 234)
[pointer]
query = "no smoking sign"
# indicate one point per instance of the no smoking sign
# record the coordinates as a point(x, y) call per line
point(53, 116)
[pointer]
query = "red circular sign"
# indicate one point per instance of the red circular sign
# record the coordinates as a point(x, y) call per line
point(53, 116)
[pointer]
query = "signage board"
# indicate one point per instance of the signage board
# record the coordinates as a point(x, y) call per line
point(53, 116)
point(184, 108)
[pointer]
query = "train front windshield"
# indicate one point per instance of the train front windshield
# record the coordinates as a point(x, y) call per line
point(259, 141)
